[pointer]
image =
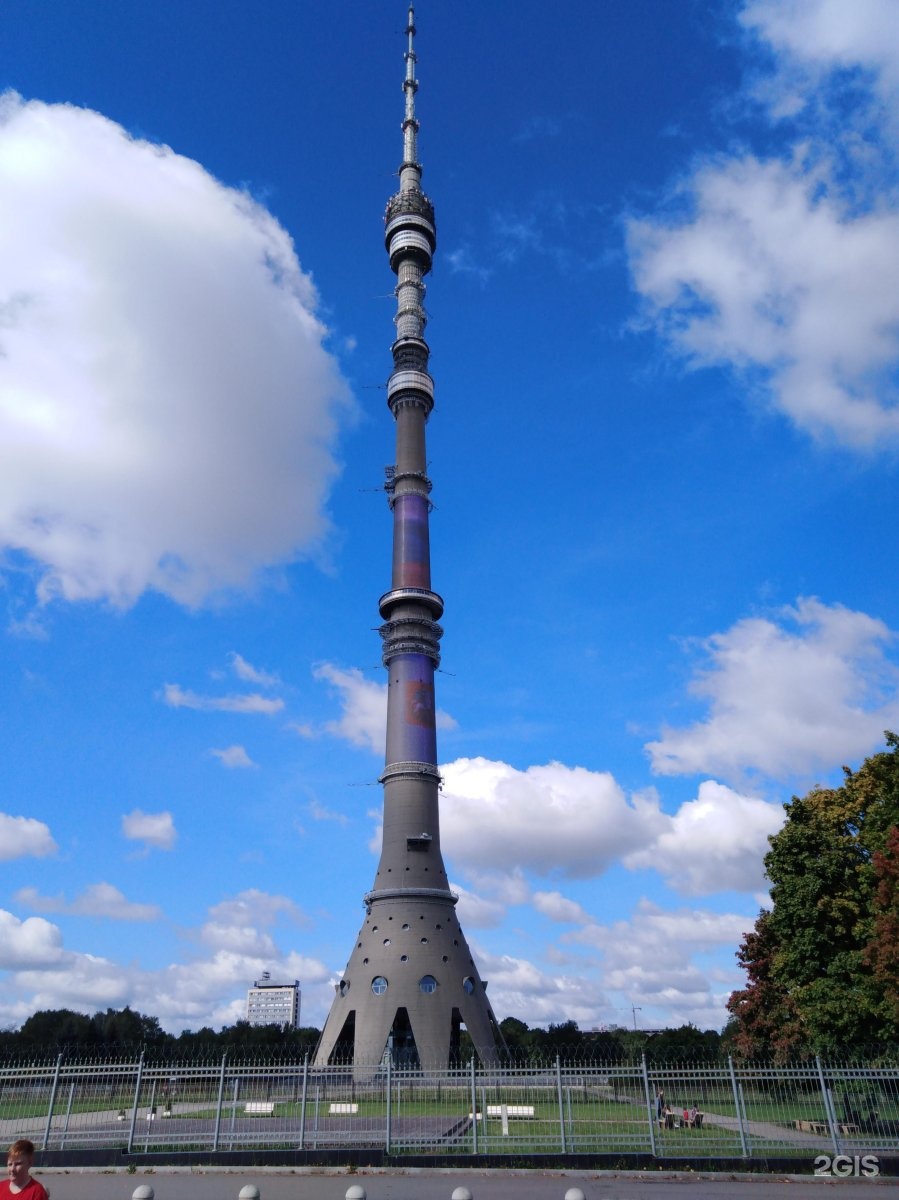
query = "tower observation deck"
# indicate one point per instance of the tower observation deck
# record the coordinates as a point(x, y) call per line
point(411, 982)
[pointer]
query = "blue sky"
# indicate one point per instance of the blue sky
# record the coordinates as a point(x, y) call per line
point(665, 339)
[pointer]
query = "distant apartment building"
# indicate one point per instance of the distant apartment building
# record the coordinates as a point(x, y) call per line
point(271, 1003)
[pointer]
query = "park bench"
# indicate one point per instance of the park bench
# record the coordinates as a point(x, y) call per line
point(819, 1127)
point(505, 1111)
point(822, 1128)
point(340, 1107)
point(259, 1108)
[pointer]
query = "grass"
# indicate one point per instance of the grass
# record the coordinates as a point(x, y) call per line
point(595, 1119)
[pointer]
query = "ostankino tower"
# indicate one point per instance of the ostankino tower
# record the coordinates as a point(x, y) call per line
point(411, 982)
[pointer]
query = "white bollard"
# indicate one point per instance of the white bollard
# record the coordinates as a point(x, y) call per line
point(461, 1193)
point(248, 1192)
point(356, 1192)
point(143, 1192)
point(575, 1194)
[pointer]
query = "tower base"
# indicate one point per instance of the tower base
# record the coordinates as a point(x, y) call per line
point(410, 986)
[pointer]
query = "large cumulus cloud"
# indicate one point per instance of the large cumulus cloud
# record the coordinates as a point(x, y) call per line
point(168, 409)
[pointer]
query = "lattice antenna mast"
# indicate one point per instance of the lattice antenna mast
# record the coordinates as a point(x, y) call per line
point(410, 124)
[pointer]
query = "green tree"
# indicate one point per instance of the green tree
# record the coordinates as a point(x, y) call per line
point(815, 980)
point(57, 1029)
point(763, 1019)
point(564, 1040)
point(518, 1038)
point(603, 1045)
point(685, 1044)
point(882, 953)
point(125, 1027)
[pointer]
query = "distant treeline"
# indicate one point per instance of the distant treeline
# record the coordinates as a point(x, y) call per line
point(119, 1032)
point(114, 1032)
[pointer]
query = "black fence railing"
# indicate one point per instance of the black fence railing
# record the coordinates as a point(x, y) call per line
point(705, 1110)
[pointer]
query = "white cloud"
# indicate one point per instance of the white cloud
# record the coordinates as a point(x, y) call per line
point(239, 939)
point(714, 843)
point(155, 830)
point(167, 408)
point(658, 935)
point(505, 885)
point(320, 812)
point(518, 986)
point(255, 907)
point(31, 943)
point(209, 989)
point(97, 900)
point(547, 819)
point(770, 271)
point(559, 908)
point(476, 911)
point(177, 697)
point(214, 990)
point(463, 262)
point(24, 837)
point(816, 37)
point(364, 704)
point(233, 757)
point(787, 698)
point(83, 982)
point(650, 959)
point(786, 267)
point(364, 719)
point(246, 671)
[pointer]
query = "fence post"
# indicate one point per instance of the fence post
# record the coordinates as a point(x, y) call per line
point(53, 1089)
point(389, 1099)
point(151, 1115)
point(561, 1103)
point(303, 1100)
point(649, 1108)
point(137, 1086)
point(65, 1127)
point(828, 1107)
point(738, 1107)
point(474, 1109)
point(218, 1107)
point(234, 1093)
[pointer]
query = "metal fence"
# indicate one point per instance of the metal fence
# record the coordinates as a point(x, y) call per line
point(710, 1110)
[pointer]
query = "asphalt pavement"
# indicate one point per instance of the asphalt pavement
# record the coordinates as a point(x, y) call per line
point(440, 1184)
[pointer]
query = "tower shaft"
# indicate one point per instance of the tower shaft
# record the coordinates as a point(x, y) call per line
point(411, 982)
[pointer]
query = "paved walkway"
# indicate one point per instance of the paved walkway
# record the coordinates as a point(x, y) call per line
point(769, 1131)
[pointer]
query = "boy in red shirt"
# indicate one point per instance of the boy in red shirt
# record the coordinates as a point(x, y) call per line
point(18, 1182)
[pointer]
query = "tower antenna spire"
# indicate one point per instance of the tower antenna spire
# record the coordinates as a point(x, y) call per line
point(410, 87)
point(411, 982)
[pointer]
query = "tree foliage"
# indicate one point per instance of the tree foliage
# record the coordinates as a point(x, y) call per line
point(822, 963)
point(686, 1044)
point(113, 1032)
point(126, 1033)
